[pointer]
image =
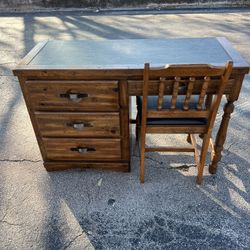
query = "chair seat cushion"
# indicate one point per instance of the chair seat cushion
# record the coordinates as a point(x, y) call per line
point(176, 121)
point(152, 104)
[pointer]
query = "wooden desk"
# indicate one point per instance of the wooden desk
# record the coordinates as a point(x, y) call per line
point(77, 94)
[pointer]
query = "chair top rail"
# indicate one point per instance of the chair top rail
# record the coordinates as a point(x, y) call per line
point(186, 70)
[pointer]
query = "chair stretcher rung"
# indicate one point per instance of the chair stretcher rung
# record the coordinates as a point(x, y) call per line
point(169, 149)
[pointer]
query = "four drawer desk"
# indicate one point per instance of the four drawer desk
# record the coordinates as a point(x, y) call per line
point(77, 94)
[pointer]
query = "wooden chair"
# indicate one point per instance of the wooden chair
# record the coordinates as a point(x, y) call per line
point(188, 100)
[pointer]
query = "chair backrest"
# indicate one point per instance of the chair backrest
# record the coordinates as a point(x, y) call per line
point(192, 82)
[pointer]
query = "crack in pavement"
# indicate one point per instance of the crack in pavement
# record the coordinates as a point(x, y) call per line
point(183, 167)
point(9, 223)
point(226, 150)
point(77, 236)
point(149, 158)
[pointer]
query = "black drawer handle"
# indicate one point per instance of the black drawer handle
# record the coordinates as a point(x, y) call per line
point(74, 96)
point(83, 150)
point(79, 125)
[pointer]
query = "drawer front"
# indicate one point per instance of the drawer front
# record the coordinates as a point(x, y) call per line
point(83, 149)
point(73, 95)
point(78, 124)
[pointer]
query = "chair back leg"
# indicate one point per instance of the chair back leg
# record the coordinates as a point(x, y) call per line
point(203, 154)
point(137, 128)
point(142, 158)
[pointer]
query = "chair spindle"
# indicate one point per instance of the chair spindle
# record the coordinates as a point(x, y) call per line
point(175, 92)
point(161, 93)
point(203, 92)
point(189, 93)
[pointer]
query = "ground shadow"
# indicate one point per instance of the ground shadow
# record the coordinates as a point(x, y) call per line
point(169, 210)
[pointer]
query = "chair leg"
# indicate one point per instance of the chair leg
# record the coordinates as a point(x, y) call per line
point(137, 128)
point(142, 154)
point(189, 139)
point(142, 169)
point(203, 154)
point(201, 136)
point(196, 152)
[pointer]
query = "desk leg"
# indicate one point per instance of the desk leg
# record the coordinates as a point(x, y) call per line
point(221, 136)
point(124, 121)
point(228, 110)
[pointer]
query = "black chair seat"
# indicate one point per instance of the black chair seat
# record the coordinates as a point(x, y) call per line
point(152, 104)
point(177, 121)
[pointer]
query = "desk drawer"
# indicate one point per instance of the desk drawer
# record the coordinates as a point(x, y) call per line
point(73, 95)
point(78, 124)
point(83, 149)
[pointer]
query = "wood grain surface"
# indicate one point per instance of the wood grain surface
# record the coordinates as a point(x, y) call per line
point(52, 124)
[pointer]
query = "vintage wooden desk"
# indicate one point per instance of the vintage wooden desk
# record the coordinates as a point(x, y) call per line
point(77, 94)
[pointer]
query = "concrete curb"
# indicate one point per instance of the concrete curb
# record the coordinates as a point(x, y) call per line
point(30, 6)
point(128, 11)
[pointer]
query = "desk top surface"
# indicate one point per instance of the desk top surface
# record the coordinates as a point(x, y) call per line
point(129, 53)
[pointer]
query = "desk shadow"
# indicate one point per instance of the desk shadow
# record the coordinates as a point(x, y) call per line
point(167, 212)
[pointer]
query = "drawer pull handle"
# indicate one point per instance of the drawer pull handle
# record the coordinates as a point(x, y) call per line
point(74, 96)
point(79, 125)
point(83, 150)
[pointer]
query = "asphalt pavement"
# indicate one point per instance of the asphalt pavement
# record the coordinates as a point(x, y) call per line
point(94, 209)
